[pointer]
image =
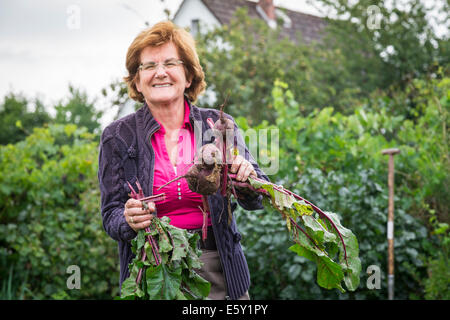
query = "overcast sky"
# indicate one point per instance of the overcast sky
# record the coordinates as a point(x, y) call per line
point(47, 44)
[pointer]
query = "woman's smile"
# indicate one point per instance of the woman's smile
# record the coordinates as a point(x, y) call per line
point(162, 84)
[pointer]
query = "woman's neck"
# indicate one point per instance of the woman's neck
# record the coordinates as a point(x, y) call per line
point(170, 115)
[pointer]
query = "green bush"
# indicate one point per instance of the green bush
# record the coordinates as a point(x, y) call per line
point(50, 217)
point(17, 118)
point(437, 284)
point(242, 70)
point(335, 161)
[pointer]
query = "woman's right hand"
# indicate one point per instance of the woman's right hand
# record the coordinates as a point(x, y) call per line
point(136, 216)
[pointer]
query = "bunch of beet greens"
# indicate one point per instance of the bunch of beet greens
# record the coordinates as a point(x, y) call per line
point(165, 261)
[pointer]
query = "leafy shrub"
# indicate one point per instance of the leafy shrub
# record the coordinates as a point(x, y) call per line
point(438, 283)
point(335, 161)
point(17, 117)
point(50, 217)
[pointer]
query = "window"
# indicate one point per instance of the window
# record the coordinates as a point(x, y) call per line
point(195, 26)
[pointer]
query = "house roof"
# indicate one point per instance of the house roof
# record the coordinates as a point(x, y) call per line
point(307, 24)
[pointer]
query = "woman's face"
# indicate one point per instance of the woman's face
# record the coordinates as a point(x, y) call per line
point(162, 85)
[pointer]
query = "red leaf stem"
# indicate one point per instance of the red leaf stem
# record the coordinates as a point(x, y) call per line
point(139, 276)
point(246, 185)
point(304, 232)
point(233, 190)
point(205, 219)
point(133, 193)
point(141, 193)
point(224, 168)
point(317, 209)
point(154, 198)
point(154, 246)
point(322, 215)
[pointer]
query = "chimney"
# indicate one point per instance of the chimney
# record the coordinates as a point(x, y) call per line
point(269, 9)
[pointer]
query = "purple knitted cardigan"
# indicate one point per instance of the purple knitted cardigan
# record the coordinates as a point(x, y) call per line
point(129, 138)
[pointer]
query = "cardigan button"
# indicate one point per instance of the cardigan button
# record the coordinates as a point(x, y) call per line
point(131, 152)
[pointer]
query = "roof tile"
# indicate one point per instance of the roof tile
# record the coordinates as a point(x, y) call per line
point(309, 25)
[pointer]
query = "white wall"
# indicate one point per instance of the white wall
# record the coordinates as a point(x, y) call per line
point(195, 9)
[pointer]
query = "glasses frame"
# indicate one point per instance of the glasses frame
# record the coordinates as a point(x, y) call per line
point(156, 64)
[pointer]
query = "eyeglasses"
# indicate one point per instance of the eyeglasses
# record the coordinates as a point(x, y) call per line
point(168, 64)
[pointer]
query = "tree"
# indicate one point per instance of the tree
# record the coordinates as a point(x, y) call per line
point(244, 69)
point(386, 43)
point(79, 111)
point(17, 120)
point(19, 115)
point(117, 94)
point(364, 48)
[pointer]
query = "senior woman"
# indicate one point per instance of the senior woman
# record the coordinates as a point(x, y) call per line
point(166, 76)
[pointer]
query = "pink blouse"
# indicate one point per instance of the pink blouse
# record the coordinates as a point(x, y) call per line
point(181, 204)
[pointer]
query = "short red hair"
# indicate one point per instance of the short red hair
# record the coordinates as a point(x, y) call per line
point(162, 33)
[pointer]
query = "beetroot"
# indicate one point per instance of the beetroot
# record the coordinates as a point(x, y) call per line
point(210, 170)
point(204, 176)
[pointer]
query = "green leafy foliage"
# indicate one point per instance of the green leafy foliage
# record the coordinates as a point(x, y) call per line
point(50, 217)
point(174, 276)
point(317, 235)
point(117, 95)
point(371, 46)
point(335, 161)
point(79, 110)
point(438, 281)
point(18, 117)
point(386, 43)
point(243, 68)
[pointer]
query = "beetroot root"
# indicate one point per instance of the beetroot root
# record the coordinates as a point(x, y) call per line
point(204, 176)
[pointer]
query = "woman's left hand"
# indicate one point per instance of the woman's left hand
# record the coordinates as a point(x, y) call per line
point(242, 168)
